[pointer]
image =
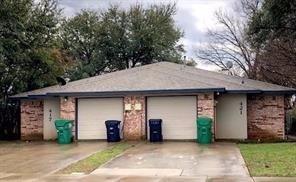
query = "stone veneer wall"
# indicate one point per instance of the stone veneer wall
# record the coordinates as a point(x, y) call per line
point(32, 120)
point(134, 120)
point(67, 110)
point(266, 117)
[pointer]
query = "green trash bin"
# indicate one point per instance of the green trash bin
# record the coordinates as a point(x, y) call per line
point(64, 130)
point(204, 130)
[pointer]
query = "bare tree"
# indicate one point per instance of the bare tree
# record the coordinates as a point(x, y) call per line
point(229, 43)
point(266, 54)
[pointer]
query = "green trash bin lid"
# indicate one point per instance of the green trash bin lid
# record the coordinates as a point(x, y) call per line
point(62, 122)
point(204, 121)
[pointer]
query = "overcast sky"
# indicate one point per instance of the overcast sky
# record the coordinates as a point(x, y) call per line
point(194, 17)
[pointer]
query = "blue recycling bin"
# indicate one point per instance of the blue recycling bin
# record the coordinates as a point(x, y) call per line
point(155, 130)
point(113, 130)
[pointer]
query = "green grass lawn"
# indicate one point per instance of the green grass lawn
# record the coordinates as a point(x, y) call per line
point(94, 161)
point(276, 159)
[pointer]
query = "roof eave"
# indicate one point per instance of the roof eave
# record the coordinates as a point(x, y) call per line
point(273, 92)
point(137, 92)
point(17, 97)
point(281, 92)
point(244, 91)
point(39, 96)
point(153, 92)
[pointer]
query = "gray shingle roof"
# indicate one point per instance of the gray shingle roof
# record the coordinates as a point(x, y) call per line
point(159, 76)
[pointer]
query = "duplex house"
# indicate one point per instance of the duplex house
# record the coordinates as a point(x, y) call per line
point(240, 108)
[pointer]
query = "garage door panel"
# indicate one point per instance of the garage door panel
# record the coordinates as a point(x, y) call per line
point(178, 115)
point(172, 115)
point(86, 129)
point(94, 123)
point(86, 136)
point(92, 114)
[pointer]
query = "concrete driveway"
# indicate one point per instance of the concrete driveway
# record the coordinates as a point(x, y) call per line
point(41, 158)
point(178, 159)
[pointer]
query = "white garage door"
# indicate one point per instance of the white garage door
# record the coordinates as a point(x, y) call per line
point(92, 114)
point(178, 115)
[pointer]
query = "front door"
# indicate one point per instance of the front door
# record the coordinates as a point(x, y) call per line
point(51, 113)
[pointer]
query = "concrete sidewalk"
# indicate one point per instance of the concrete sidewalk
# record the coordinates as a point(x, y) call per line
point(120, 178)
point(136, 178)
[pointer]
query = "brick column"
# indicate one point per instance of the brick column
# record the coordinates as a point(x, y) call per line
point(134, 119)
point(32, 119)
point(67, 110)
point(266, 117)
point(206, 107)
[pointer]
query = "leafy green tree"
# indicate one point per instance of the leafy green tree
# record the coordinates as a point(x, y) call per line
point(81, 40)
point(275, 19)
point(118, 39)
point(140, 36)
point(272, 30)
point(28, 32)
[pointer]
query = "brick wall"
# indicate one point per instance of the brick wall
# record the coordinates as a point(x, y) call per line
point(206, 107)
point(266, 117)
point(134, 120)
point(32, 120)
point(67, 109)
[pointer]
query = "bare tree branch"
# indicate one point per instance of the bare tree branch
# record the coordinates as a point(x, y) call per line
point(229, 45)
